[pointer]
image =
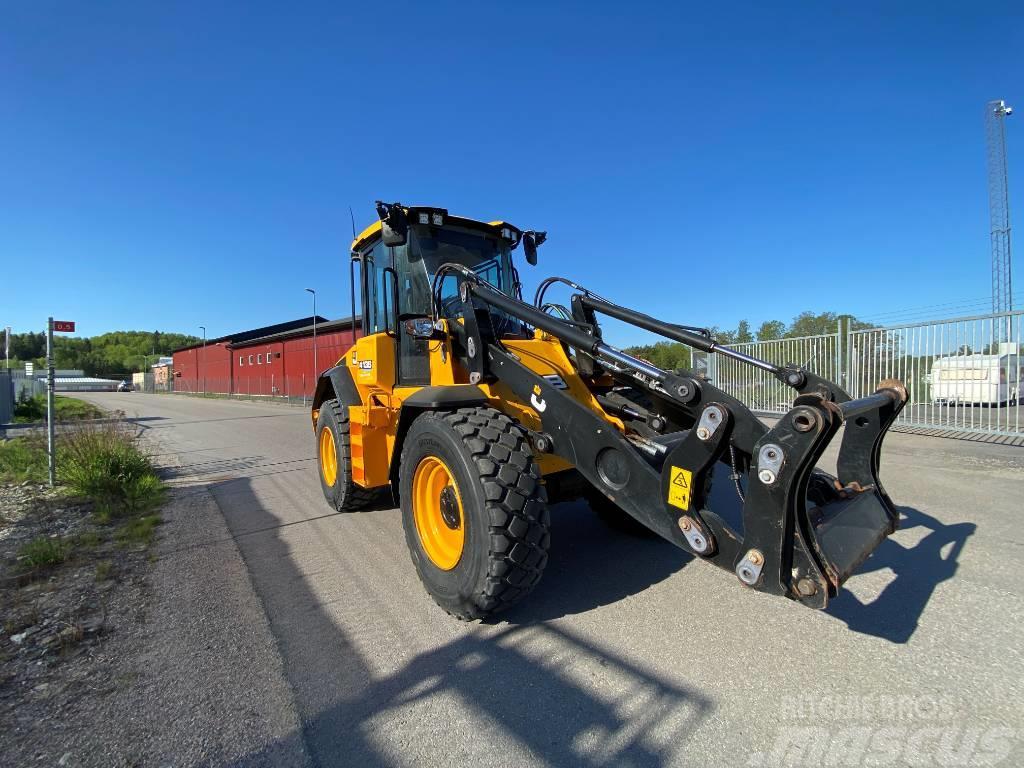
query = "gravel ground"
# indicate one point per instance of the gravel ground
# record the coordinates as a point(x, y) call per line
point(67, 631)
point(184, 672)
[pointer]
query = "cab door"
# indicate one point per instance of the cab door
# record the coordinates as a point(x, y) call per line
point(388, 299)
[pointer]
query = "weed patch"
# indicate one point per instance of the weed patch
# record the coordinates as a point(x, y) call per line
point(137, 531)
point(21, 459)
point(88, 540)
point(104, 570)
point(44, 552)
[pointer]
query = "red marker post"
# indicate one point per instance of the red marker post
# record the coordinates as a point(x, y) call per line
point(61, 326)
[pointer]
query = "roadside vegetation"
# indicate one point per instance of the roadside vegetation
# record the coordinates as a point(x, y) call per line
point(101, 469)
point(42, 552)
point(23, 459)
point(74, 560)
point(72, 556)
point(104, 463)
point(29, 410)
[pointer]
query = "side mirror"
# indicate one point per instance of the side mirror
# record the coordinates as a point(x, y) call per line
point(394, 224)
point(531, 240)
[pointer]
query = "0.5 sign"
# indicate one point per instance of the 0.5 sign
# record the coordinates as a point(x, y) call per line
point(64, 326)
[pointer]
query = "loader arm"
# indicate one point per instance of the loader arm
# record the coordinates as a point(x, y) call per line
point(803, 532)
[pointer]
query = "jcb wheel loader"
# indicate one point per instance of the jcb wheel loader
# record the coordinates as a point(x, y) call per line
point(478, 409)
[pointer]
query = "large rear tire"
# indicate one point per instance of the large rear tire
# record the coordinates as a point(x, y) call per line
point(334, 460)
point(474, 510)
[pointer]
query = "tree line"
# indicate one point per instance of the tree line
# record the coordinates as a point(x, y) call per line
point(119, 352)
point(671, 355)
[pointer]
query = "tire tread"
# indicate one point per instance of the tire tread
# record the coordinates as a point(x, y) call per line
point(353, 496)
point(516, 503)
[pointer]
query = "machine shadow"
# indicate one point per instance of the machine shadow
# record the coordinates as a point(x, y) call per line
point(221, 470)
point(511, 679)
point(896, 612)
point(592, 564)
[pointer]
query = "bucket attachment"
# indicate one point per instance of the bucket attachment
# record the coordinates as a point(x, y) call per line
point(805, 531)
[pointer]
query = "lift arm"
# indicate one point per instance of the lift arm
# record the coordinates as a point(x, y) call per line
point(803, 533)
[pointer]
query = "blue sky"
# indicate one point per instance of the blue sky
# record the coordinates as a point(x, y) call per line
point(171, 165)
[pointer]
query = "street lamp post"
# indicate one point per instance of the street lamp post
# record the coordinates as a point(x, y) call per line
point(203, 361)
point(316, 371)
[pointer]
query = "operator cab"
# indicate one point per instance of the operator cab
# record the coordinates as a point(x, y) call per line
point(400, 256)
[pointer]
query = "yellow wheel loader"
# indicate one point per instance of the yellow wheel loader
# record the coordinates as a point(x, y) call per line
point(478, 409)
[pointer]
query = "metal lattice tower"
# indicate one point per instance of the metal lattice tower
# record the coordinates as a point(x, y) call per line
point(996, 113)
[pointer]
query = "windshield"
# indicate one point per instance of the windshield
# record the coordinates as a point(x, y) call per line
point(430, 247)
point(487, 256)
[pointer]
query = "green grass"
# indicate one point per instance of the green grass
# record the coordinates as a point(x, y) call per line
point(104, 570)
point(73, 409)
point(33, 409)
point(88, 540)
point(138, 530)
point(21, 459)
point(44, 552)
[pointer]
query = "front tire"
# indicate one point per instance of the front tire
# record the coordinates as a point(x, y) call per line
point(334, 460)
point(473, 509)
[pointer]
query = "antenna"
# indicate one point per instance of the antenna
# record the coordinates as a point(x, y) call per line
point(352, 279)
point(996, 113)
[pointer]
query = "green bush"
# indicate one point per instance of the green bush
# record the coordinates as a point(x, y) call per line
point(29, 409)
point(103, 462)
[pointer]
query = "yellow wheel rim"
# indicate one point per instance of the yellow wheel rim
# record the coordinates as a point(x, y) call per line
point(328, 457)
point(437, 511)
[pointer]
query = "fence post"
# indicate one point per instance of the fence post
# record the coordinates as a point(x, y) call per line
point(51, 412)
point(839, 354)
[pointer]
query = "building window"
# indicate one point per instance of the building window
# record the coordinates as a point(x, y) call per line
point(241, 360)
point(250, 359)
point(269, 356)
point(259, 359)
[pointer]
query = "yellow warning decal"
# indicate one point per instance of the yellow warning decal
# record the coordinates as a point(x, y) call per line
point(679, 487)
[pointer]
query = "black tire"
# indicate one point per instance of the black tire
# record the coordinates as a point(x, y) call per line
point(506, 520)
point(344, 495)
point(615, 517)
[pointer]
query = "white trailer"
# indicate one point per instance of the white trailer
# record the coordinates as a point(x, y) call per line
point(978, 379)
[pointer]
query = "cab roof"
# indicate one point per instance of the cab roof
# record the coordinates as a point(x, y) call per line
point(369, 234)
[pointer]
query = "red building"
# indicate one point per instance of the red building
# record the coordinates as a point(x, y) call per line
point(275, 360)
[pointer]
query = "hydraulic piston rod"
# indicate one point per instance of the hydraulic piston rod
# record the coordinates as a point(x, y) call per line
point(671, 331)
point(603, 350)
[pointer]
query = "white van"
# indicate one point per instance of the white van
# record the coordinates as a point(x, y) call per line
point(978, 379)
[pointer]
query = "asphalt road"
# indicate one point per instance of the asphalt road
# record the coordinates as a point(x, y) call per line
point(629, 652)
